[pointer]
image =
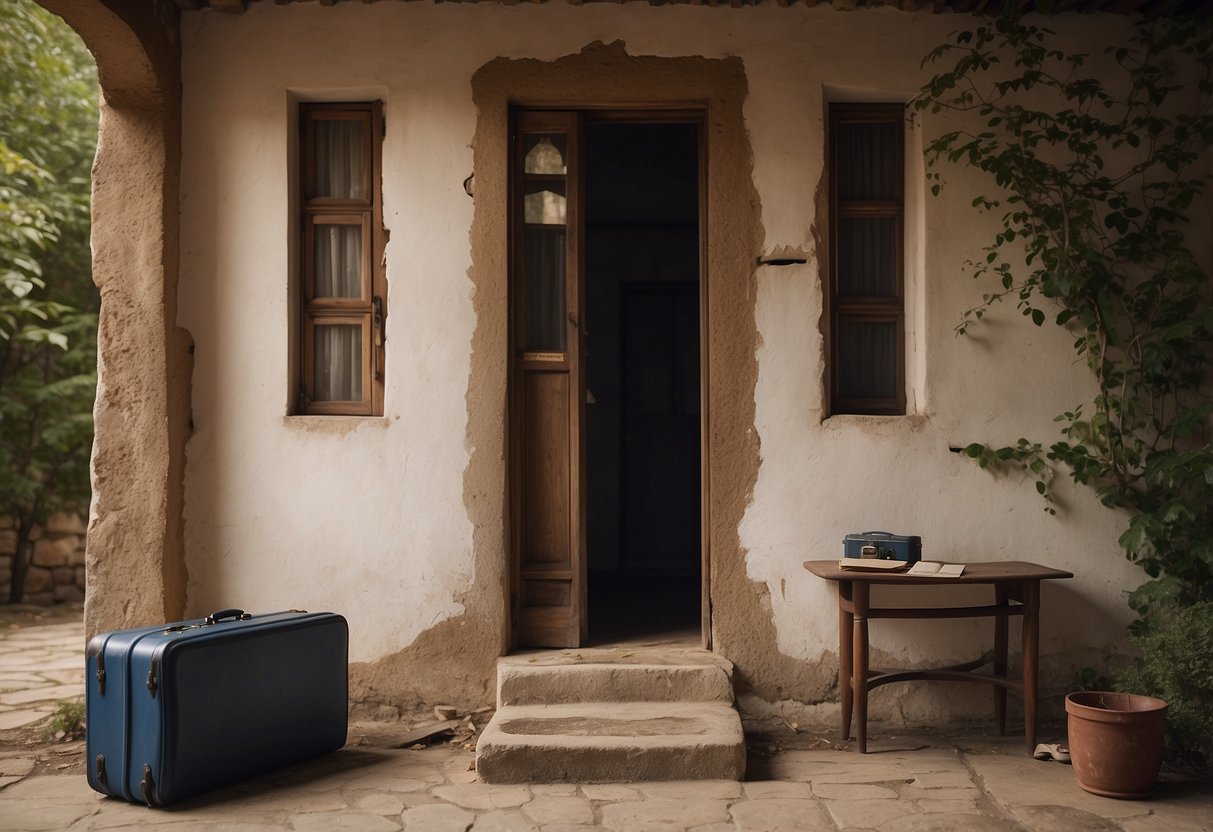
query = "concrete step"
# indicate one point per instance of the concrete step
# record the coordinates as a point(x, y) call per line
point(612, 742)
point(643, 674)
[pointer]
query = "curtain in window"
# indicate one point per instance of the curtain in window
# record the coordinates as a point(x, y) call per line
point(867, 160)
point(867, 360)
point(338, 369)
point(545, 298)
point(338, 261)
point(339, 159)
point(867, 252)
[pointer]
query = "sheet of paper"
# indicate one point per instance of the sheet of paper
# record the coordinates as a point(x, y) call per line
point(938, 570)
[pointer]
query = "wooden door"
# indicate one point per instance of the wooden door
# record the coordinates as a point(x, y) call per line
point(547, 391)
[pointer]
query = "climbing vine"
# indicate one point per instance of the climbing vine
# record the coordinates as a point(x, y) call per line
point(1098, 165)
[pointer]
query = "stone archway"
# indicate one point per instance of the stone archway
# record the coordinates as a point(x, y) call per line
point(135, 566)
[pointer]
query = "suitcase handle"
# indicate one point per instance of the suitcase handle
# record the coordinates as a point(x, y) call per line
point(886, 534)
point(231, 612)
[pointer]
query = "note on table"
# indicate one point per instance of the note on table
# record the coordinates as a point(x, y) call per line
point(937, 570)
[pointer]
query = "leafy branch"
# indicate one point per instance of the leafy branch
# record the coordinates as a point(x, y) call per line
point(1096, 163)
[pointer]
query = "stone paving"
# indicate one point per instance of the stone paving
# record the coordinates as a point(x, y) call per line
point(906, 784)
point(39, 667)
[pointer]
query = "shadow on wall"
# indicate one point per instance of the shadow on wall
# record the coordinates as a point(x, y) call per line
point(1064, 611)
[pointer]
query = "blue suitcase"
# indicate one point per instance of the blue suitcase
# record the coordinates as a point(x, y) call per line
point(177, 709)
point(883, 546)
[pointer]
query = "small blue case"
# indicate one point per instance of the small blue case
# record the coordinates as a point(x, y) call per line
point(883, 546)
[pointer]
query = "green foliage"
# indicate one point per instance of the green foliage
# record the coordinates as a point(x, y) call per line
point(67, 722)
point(1091, 679)
point(48, 305)
point(1177, 666)
point(1096, 162)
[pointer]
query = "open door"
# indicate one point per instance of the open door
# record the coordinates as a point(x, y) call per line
point(547, 389)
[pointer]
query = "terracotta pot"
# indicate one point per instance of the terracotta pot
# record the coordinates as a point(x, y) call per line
point(1116, 741)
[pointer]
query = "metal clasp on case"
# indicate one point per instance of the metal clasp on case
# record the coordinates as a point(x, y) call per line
point(145, 785)
point(180, 628)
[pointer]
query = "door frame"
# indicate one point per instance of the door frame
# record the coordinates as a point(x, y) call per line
point(645, 113)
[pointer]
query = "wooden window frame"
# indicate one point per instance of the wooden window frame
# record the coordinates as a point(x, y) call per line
point(369, 310)
point(867, 309)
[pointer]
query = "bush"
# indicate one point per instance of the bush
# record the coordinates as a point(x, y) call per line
point(1177, 666)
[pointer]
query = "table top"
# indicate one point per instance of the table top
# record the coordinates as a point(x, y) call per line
point(975, 573)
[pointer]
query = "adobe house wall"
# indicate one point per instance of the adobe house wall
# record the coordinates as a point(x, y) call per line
point(398, 522)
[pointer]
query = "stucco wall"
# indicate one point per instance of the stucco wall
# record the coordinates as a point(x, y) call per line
point(398, 521)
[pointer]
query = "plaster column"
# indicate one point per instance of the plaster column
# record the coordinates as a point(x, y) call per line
point(134, 561)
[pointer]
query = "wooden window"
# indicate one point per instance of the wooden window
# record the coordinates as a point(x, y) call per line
point(865, 295)
point(343, 288)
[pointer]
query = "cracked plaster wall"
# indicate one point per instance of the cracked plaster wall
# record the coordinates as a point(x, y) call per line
point(398, 522)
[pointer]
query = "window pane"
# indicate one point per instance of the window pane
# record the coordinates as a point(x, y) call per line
point(543, 255)
point(866, 266)
point(544, 154)
point(544, 204)
point(867, 359)
point(338, 254)
point(339, 159)
point(338, 363)
point(867, 160)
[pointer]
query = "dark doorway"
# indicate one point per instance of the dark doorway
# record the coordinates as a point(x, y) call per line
point(642, 249)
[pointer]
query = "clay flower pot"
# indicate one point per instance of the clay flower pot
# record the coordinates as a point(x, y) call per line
point(1116, 741)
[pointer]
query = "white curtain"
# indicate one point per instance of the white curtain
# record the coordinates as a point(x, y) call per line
point(338, 261)
point(338, 253)
point(338, 370)
point(339, 159)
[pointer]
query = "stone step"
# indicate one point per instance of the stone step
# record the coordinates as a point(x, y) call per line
point(612, 742)
point(614, 675)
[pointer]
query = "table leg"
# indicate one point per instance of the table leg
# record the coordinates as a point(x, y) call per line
point(1000, 660)
point(845, 667)
point(1031, 651)
point(859, 663)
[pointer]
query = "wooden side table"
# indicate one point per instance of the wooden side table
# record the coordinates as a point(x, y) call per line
point(1016, 592)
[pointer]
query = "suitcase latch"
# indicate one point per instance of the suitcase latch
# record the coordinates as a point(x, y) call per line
point(151, 679)
point(145, 785)
point(180, 628)
point(101, 673)
point(100, 769)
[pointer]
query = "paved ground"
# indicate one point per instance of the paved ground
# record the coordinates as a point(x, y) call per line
point(795, 782)
point(40, 665)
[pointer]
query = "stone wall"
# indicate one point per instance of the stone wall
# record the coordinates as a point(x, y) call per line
point(56, 571)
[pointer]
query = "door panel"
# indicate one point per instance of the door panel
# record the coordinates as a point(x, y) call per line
point(546, 528)
point(547, 503)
